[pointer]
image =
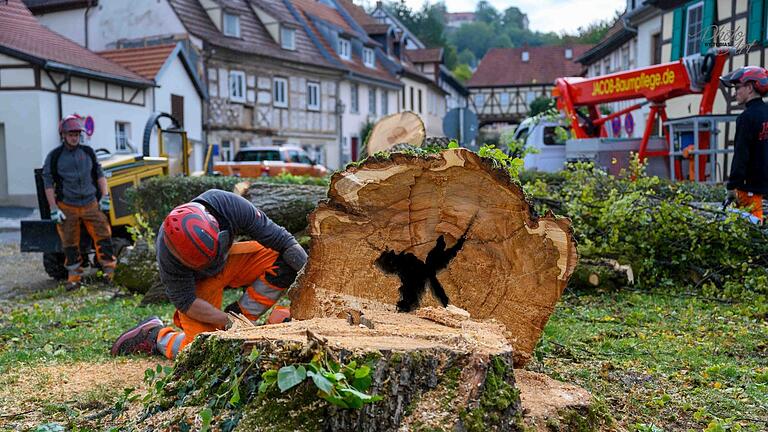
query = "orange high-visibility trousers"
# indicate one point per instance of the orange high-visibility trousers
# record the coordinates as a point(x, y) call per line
point(247, 264)
point(750, 202)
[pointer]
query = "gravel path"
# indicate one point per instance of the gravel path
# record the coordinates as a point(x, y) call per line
point(21, 273)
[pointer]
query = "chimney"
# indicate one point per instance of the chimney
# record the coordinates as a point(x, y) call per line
point(526, 56)
point(568, 53)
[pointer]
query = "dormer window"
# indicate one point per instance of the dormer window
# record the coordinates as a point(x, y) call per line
point(288, 38)
point(345, 49)
point(231, 26)
point(368, 57)
point(526, 56)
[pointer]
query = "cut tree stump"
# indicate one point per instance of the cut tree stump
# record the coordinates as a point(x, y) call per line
point(451, 224)
point(431, 376)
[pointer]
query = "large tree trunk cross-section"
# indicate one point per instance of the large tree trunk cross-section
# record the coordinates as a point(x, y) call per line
point(413, 231)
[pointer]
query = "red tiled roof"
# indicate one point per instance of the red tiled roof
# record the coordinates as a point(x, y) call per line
point(504, 66)
point(254, 40)
point(427, 55)
point(325, 13)
point(358, 13)
point(355, 65)
point(145, 61)
point(22, 33)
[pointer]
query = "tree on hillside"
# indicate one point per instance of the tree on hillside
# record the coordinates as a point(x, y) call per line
point(462, 72)
point(485, 12)
point(428, 24)
point(476, 37)
point(514, 18)
point(467, 57)
point(450, 56)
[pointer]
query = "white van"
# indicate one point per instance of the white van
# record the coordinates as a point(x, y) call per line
point(540, 135)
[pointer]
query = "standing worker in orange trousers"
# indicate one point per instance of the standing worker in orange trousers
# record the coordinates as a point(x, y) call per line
point(748, 180)
point(197, 260)
point(77, 193)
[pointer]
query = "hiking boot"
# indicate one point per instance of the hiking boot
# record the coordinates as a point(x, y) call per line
point(140, 339)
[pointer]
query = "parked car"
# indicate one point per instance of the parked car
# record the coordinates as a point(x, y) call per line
point(270, 161)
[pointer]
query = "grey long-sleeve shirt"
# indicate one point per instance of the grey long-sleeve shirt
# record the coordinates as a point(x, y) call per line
point(74, 168)
point(237, 216)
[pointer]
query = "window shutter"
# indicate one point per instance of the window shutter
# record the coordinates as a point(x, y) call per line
point(755, 21)
point(677, 33)
point(177, 108)
point(706, 25)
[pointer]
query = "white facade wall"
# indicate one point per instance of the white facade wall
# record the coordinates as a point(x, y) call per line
point(113, 20)
point(353, 122)
point(30, 121)
point(174, 80)
point(430, 112)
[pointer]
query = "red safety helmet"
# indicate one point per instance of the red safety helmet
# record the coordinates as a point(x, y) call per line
point(71, 123)
point(192, 235)
point(754, 74)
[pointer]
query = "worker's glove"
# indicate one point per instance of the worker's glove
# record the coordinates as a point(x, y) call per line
point(104, 203)
point(295, 257)
point(58, 216)
point(730, 196)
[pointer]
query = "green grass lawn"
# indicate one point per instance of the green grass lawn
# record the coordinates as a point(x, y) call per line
point(658, 362)
point(663, 362)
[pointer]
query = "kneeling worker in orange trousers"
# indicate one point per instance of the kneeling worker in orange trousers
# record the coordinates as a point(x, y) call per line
point(198, 259)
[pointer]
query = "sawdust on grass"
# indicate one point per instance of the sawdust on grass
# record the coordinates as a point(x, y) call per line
point(28, 394)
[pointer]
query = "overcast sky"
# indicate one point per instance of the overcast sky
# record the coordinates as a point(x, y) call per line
point(545, 15)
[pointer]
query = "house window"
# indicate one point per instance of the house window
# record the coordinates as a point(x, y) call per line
point(693, 28)
point(413, 105)
point(237, 86)
point(288, 38)
point(656, 47)
point(384, 102)
point(313, 96)
point(420, 108)
point(122, 136)
point(231, 25)
point(504, 99)
point(345, 50)
point(372, 100)
point(225, 155)
point(177, 108)
point(368, 57)
point(354, 98)
point(479, 100)
point(280, 90)
point(625, 57)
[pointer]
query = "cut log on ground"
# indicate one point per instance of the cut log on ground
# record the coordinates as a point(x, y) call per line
point(400, 128)
point(430, 376)
point(287, 205)
point(602, 273)
point(451, 222)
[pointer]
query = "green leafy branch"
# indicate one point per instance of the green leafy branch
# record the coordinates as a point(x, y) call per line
point(500, 159)
point(343, 385)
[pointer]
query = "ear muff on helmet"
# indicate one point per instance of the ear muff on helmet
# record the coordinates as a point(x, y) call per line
point(192, 235)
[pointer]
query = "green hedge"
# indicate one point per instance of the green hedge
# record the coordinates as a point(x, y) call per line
point(153, 199)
